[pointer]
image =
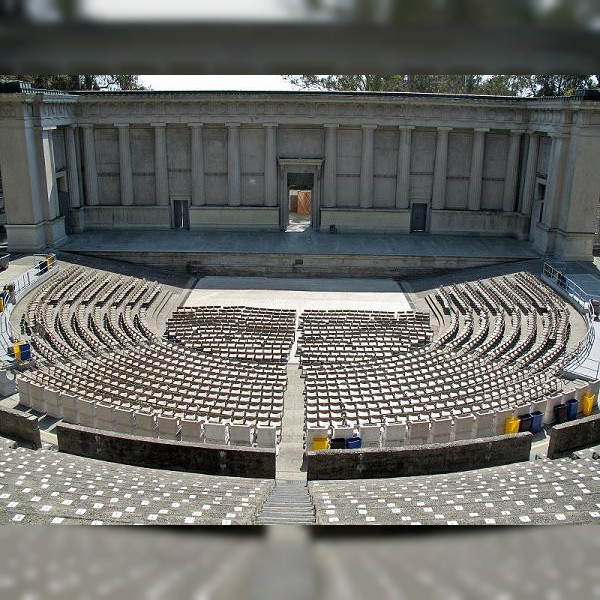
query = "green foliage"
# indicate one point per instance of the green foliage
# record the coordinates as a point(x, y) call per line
point(79, 82)
point(499, 85)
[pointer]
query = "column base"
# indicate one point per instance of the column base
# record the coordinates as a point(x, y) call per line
point(77, 220)
point(25, 238)
point(56, 232)
point(574, 246)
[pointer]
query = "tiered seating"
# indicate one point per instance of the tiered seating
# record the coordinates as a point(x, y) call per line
point(538, 492)
point(237, 332)
point(498, 350)
point(104, 368)
point(83, 311)
point(57, 488)
point(340, 336)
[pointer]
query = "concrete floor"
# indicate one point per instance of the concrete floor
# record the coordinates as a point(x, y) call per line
point(299, 294)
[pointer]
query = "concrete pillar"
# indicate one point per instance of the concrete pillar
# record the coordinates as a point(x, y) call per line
point(475, 181)
point(125, 168)
point(366, 167)
point(198, 194)
point(161, 174)
point(512, 172)
point(89, 165)
point(72, 171)
point(555, 180)
point(270, 164)
point(330, 166)
point(234, 175)
point(440, 169)
point(530, 173)
point(403, 174)
point(50, 198)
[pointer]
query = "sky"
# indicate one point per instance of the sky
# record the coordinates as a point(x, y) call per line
point(216, 82)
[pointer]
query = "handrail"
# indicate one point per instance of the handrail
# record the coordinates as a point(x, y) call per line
point(580, 355)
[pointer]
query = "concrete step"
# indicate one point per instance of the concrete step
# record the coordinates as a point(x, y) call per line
point(288, 504)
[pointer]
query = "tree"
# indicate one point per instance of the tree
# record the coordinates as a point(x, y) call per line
point(79, 82)
point(500, 85)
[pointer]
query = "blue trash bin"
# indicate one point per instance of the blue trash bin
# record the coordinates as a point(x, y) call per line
point(353, 443)
point(572, 408)
point(537, 421)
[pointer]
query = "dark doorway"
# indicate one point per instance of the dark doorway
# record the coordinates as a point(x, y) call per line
point(181, 214)
point(64, 202)
point(299, 196)
point(418, 217)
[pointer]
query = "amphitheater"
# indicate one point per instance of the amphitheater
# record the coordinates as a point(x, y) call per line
point(189, 366)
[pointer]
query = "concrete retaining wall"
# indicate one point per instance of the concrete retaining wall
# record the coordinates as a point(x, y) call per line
point(163, 454)
point(574, 435)
point(429, 459)
point(20, 426)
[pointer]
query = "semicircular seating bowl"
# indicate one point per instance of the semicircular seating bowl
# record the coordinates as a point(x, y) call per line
point(498, 351)
point(103, 367)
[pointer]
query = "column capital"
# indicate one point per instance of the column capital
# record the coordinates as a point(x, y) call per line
point(233, 124)
point(193, 125)
point(158, 124)
point(558, 136)
point(406, 127)
point(72, 126)
point(331, 125)
point(481, 129)
point(444, 129)
point(48, 127)
point(369, 126)
point(86, 125)
point(270, 124)
point(122, 125)
point(516, 132)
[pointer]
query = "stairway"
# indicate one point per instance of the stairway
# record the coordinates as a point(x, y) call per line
point(288, 504)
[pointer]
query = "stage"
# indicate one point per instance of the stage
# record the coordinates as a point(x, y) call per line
point(306, 253)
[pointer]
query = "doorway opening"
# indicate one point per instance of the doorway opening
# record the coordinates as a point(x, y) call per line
point(64, 202)
point(181, 214)
point(300, 199)
point(418, 218)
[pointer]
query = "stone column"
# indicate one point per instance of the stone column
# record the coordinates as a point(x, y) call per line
point(475, 181)
point(161, 174)
point(49, 166)
point(512, 172)
point(530, 173)
point(555, 179)
point(403, 173)
point(72, 173)
point(366, 167)
point(270, 164)
point(89, 165)
point(125, 168)
point(330, 166)
point(197, 164)
point(234, 175)
point(440, 169)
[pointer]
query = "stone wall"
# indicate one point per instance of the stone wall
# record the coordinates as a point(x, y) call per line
point(20, 426)
point(574, 435)
point(371, 463)
point(477, 164)
point(162, 454)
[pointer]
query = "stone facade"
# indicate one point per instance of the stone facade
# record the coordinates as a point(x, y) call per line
point(473, 165)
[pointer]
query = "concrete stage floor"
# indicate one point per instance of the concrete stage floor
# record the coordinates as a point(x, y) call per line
point(300, 294)
point(305, 242)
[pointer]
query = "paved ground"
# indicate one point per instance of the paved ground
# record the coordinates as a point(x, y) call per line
point(299, 294)
point(302, 242)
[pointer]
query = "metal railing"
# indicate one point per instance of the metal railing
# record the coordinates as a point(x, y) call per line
point(15, 291)
point(579, 358)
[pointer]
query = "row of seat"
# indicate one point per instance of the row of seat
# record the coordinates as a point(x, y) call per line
point(87, 413)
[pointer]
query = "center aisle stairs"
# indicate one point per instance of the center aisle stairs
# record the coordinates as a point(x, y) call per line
point(288, 504)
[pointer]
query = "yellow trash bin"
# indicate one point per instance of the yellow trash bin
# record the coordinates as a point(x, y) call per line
point(320, 444)
point(511, 425)
point(587, 404)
